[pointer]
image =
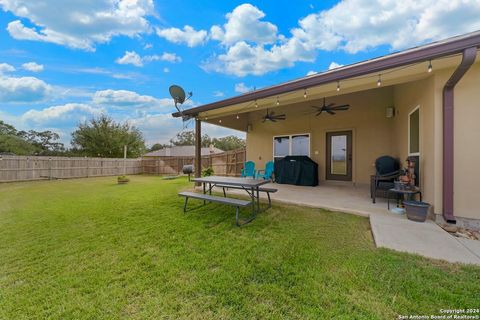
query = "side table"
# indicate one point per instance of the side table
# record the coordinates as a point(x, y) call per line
point(410, 194)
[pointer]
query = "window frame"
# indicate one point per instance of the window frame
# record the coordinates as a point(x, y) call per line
point(417, 108)
point(290, 140)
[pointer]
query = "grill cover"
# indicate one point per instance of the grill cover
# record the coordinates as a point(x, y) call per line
point(297, 170)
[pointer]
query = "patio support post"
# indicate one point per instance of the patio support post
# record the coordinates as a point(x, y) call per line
point(468, 58)
point(198, 149)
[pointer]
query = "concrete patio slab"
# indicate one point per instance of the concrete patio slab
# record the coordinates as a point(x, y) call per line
point(426, 239)
point(472, 245)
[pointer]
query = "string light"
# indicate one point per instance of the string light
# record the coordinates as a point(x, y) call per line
point(238, 117)
point(379, 80)
point(220, 121)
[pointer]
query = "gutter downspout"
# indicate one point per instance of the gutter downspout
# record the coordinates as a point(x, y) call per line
point(468, 58)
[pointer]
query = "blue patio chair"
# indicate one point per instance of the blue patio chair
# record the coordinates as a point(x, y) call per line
point(249, 170)
point(267, 173)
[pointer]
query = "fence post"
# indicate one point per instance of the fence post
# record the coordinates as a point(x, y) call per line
point(49, 168)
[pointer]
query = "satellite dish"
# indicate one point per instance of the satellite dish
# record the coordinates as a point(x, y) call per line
point(178, 95)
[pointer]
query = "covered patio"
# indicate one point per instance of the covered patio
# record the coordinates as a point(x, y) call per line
point(400, 105)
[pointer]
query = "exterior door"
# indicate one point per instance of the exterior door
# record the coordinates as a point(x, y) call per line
point(339, 156)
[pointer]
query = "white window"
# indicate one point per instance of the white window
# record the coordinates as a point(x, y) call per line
point(291, 145)
point(414, 132)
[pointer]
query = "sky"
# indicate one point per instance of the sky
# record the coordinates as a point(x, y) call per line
point(64, 62)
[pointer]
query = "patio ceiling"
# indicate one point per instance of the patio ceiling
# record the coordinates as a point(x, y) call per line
point(233, 116)
point(397, 68)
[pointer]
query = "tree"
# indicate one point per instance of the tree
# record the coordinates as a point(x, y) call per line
point(187, 138)
point(16, 145)
point(46, 141)
point(229, 143)
point(157, 146)
point(103, 137)
point(28, 142)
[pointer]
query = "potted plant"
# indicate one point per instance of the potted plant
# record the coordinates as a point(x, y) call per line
point(122, 180)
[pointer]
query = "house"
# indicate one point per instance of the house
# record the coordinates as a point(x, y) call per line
point(422, 102)
point(182, 151)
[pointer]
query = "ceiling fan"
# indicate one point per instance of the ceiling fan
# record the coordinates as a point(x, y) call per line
point(271, 116)
point(330, 108)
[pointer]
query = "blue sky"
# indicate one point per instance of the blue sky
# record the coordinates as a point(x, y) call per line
point(64, 62)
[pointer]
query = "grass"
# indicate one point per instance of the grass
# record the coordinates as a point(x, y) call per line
point(92, 249)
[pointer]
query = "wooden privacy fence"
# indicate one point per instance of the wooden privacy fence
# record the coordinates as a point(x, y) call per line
point(20, 168)
point(228, 163)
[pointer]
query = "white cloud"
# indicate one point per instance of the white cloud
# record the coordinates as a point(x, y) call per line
point(243, 59)
point(188, 35)
point(311, 72)
point(130, 57)
point(218, 94)
point(334, 65)
point(242, 88)
point(166, 70)
point(23, 89)
point(243, 24)
point(253, 46)
point(133, 58)
point(394, 24)
point(77, 23)
point(5, 67)
point(148, 46)
point(61, 113)
point(166, 56)
point(132, 101)
point(121, 97)
point(397, 24)
point(33, 66)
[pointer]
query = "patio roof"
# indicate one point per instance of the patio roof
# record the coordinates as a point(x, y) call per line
point(441, 49)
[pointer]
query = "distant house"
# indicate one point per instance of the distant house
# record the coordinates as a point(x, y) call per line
point(182, 151)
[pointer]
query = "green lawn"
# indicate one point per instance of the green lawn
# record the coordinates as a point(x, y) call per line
point(91, 249)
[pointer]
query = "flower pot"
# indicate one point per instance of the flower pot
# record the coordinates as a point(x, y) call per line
point(416, 210)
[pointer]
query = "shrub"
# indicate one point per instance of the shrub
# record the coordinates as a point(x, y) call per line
point(123, 179)
point(207, 172)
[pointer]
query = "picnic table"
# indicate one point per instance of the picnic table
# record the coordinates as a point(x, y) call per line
point(251, 186)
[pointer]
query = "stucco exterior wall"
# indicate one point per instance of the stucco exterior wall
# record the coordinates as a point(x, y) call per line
point(407, 97)
point(372, 132)
point(467, 144)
